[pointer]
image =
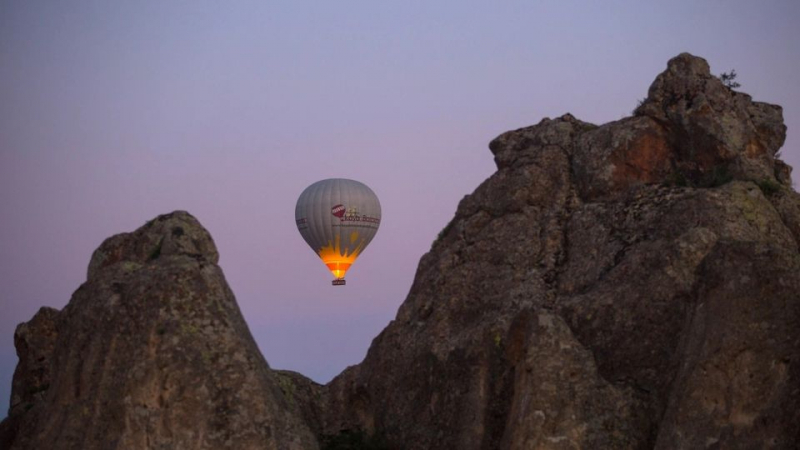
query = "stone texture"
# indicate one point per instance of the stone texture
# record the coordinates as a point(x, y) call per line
point(624, 286)
point(629, 285)
point(737, 382)
point(304, 397)
point(34, 342)
point(152, 352)
point(711, 126)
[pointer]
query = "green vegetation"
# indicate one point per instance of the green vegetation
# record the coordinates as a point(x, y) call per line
point(720, 176)
point(130, 266)
point(188, 329)
point(156, 251)
point(287, 386)
point(768, 187)
point(676, 178)
point(717, 177)
point(354, 440)
point(639, 103)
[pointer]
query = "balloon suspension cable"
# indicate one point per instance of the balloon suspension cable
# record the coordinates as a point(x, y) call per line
point(338, 282)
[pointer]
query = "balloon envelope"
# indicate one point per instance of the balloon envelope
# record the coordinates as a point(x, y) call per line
point(338, 218)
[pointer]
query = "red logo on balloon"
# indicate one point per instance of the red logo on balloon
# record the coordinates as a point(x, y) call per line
point(338, 211)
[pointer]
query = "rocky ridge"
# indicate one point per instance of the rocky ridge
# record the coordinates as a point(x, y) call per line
point(629, 285)
point(151, 352)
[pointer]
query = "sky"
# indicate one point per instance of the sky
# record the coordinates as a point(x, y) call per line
point(114, 112)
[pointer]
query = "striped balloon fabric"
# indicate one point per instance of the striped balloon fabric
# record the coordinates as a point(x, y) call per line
point(338, 218)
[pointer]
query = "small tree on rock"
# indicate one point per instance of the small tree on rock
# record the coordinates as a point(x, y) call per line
point(729, 79)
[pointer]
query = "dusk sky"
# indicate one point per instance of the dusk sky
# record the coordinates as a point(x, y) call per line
point(112, 112)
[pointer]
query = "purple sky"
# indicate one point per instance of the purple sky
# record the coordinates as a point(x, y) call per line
point(114, 112)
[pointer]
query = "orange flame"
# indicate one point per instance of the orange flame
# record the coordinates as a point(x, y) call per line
point(340, 259)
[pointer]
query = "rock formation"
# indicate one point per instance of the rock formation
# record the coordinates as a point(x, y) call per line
point(629, 285)
point(151, 352)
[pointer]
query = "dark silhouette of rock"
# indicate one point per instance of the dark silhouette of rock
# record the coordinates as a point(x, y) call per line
point(304, 396)
point(629, 285)
point(712, 127)
point(34, 342)
point(151, 352)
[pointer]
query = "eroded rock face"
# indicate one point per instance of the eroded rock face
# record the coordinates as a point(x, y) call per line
point(34, 342)
point(630, 285)
point(152, 352)
point(713, 128)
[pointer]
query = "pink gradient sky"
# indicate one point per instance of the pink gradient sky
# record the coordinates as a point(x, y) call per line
point(114, 112)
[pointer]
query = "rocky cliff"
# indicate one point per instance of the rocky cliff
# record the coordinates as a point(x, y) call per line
point(151, 352)
point(629, 285)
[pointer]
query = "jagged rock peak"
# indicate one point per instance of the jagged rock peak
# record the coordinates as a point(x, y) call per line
point(175, 234)
point(628, 285)
point(150, 352)
point(34, 341)
point(724, 126)
point(691, 130)
point(513, 148)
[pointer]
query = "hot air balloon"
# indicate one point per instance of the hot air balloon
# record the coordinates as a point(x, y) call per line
point(338, 218)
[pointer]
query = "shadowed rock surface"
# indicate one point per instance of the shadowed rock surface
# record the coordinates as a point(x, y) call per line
point(151, 352)
point(629, 285)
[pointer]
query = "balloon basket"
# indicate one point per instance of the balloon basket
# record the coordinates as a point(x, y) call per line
point(338, 282)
